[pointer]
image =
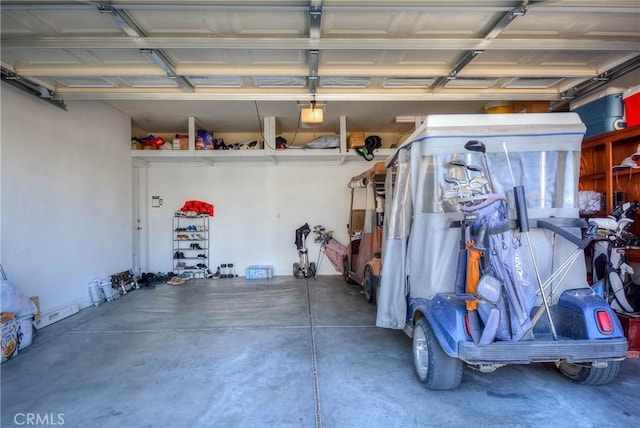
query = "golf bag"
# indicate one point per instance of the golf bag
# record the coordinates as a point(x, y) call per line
point(501, 259)
point(329, 246)
point(612, 276)
point(301, 236)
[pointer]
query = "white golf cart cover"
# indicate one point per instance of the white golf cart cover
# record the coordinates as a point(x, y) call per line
point(420, 248)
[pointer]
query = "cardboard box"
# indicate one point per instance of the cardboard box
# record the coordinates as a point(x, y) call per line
point(181, 142)
point(356, 139)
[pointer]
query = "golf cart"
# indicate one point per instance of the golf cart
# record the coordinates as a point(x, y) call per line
point(483, 250)
point(361, 263)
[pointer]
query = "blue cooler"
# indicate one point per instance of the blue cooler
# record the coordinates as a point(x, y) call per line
point(602, 112)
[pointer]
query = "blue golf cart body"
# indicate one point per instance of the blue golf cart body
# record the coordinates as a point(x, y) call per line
point(570, 325)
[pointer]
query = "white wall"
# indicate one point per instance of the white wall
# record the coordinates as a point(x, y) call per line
point(66, 196)
point(257, 210)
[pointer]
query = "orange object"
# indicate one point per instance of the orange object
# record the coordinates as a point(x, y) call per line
point(473, 274)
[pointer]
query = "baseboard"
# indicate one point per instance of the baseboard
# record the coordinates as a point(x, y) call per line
point(61, 313)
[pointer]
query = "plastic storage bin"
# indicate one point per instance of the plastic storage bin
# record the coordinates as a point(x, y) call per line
point(259, 272)
point(631, 100)
point(602, 112)
point(25, 331)
point(10, 339)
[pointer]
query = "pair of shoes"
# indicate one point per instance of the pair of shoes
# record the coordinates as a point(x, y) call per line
point(196, 247)
point(214, 275)
point(176, 280)
point(178, 255)
point(181, 265)
point(182, 237)
point(201, 266)
point(202, 256)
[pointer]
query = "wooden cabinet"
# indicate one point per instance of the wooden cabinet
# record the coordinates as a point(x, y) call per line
point(599, 155)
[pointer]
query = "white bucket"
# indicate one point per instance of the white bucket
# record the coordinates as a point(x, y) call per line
point(96, 293)
point(108, 290)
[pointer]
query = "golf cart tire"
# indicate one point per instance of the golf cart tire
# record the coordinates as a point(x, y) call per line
point(346, 271)
point(312, 270)
point(435, 369)
point(296, 270)
point(370, 285)
point(587, 375)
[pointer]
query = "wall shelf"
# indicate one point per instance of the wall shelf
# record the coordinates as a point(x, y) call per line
point(599, 155)
point(269, 154)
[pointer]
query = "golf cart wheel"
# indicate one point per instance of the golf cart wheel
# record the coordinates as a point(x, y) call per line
point(296, 270)
point(585, 374)
point(346, 270)
point(370, 285)
point(312, 269)
point(435, 369)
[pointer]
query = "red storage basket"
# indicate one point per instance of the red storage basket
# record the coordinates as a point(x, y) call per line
point(631, 100)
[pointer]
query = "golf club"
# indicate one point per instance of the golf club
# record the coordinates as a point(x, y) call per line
point(523, 220)
point(462, 164)
point(479, 147)
point(479, 178)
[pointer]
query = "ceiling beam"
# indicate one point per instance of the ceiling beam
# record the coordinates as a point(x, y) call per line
point(225, 5)
point(474, 70)
point(352, 43)
point(315, 24)
point(122, 20)
point(489, 37)
point(165, 64)
point(315, 19)
point(313, 71)
point(301, 95)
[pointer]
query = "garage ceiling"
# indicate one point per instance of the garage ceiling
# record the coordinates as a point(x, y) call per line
point(225, 61)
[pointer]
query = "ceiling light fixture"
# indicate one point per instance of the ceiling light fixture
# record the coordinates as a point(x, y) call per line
point(312, 114)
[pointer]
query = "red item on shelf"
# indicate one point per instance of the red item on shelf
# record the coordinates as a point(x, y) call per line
point(198, 207)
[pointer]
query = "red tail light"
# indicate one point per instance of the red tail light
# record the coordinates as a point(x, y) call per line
point(604, 321)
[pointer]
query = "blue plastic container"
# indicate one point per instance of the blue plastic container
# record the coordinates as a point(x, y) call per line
point(259, 272)
point(601, 113)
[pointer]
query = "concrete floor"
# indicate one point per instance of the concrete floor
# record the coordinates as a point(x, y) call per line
point(277, 353)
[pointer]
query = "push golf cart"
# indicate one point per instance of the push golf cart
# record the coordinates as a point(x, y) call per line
point(483, 251)
point(366, 217)
point(303, 268)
